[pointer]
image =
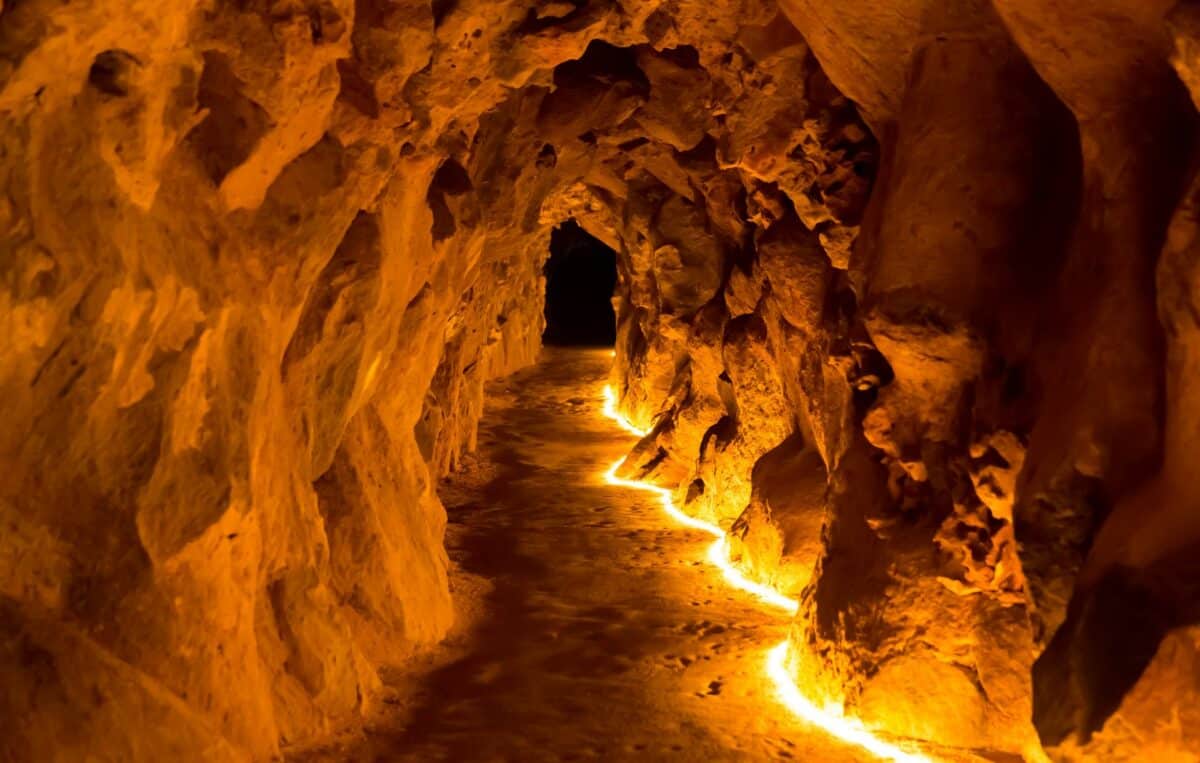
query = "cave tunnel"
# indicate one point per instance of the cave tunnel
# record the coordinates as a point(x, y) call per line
point(581, 274)
point(330, 434)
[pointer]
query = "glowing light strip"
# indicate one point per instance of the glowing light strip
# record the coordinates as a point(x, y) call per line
point(664, 495)
point(718, 552)
point(831, 719)
point(610, 410)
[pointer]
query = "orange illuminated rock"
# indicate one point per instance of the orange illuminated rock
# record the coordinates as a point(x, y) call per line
point(906, 309)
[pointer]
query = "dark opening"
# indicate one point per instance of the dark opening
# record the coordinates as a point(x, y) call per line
point(580, 276)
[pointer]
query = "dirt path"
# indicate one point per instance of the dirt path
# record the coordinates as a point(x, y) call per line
point(605, 635)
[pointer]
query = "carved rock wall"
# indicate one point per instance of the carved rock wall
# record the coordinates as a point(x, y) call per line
point(906, 301)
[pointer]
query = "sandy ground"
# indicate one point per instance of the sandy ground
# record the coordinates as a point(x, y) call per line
point(591, 627)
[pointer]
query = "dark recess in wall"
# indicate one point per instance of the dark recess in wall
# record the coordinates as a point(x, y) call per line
point(580, 276)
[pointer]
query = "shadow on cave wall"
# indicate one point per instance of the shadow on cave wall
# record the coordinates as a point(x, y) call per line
point(580, 276)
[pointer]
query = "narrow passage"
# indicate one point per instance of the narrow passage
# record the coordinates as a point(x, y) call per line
point(599, 631)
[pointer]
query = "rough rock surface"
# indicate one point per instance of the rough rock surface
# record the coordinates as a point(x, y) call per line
point(907, 301)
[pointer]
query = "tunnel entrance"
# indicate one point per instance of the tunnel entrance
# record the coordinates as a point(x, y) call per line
point(580, 276)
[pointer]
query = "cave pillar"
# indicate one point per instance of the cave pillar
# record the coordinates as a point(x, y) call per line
point(947, 268)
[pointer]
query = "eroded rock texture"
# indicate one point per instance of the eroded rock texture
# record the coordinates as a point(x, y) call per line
point(907, 301)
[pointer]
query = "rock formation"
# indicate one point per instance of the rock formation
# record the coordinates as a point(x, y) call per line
point(907, 300)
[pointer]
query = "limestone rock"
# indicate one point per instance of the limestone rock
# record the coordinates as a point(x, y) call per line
point(778, 535)
point(906, 302)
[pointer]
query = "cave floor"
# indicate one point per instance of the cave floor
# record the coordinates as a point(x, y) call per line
point(592, 627)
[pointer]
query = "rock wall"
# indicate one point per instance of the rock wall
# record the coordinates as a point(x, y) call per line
point(251, 295)
point(906, 300)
